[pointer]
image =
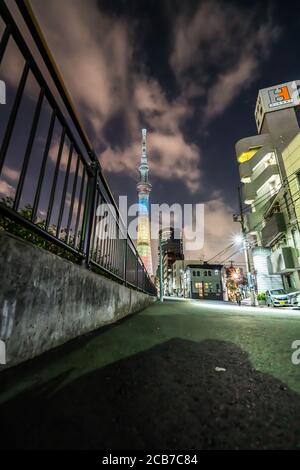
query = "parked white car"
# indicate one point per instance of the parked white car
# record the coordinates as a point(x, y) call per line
point(277, 298)
point(295, 298)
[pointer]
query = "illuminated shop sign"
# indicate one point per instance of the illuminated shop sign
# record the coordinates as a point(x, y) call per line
point(279, 96)
point(275, 98)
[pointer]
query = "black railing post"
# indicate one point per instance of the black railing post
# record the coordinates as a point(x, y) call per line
point(89, 212)
point(137, 272)
point(4, 41)
point(13, 114)
point(125, 261)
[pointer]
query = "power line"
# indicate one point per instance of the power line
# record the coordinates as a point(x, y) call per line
point(287, 206)
point(282, 184)
point(236, 252)
point(254, 244)
point(221, 252)
point(265, 197)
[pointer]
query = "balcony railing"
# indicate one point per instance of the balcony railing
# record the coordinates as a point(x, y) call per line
point(253, 221)
point(51, 182)
point(246, 168)
point(250, 190)
point(275, 227)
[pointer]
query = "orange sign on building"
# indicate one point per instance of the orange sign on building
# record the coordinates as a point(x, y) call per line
point(279, 96)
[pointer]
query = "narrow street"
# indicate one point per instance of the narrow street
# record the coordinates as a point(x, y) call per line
point(182, 375)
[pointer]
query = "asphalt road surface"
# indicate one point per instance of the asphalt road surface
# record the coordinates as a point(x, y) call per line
point(179, 375)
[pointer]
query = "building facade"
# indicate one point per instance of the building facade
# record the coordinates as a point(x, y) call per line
point(172, 251)
point(144, 188)
point(269, 163)
point(204, 281)
point(179, 268)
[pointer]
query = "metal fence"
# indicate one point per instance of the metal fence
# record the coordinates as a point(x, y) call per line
point(51, 182)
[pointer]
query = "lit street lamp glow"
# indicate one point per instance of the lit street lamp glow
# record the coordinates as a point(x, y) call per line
point(238, 239)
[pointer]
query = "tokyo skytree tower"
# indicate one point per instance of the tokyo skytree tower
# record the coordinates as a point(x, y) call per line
point(144, 189)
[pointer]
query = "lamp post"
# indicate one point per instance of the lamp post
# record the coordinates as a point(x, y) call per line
point(161, 282)
point(242, 239)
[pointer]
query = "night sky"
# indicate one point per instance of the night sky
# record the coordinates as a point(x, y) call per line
point(188, 71)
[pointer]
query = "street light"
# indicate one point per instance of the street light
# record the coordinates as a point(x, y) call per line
point(161, 282)
point(238, 239)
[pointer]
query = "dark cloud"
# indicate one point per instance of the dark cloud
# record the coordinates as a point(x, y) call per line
point(174, 67)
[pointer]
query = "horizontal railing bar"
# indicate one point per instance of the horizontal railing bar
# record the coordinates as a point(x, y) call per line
point(106, 270)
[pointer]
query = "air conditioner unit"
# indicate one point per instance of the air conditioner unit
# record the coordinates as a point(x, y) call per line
point(284, 259)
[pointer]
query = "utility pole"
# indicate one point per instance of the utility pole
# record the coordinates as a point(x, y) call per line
point(182, 278)
point(249, 275)
point(242, 222)
point(161, 282)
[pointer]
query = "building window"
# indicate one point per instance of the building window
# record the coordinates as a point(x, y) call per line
point(289, 281)
point(198, 273)
point(205, 273)
point(216, 272)
point(208, 287)
point(197, 285)
point(194, 273)
point(209, 273)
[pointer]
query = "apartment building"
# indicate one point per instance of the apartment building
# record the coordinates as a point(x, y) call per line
point(203, 281)
point(269, 166)
point(172, 250)
point(178, 268)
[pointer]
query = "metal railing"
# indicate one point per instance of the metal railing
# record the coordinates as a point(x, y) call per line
point(51, 182)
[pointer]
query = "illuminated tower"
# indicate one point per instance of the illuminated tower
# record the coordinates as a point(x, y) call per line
point(144, 189)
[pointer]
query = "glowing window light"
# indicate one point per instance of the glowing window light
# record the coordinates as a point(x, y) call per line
point(245, 156)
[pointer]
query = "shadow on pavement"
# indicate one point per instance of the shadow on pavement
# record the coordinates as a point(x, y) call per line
point(168, 397)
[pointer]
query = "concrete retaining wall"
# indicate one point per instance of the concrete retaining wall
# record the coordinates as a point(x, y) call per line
point(46, 301)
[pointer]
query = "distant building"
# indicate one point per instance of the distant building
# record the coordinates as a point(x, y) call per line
point(204, 281)
point(178, 268)
point(172, 250)
point(269, 166)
